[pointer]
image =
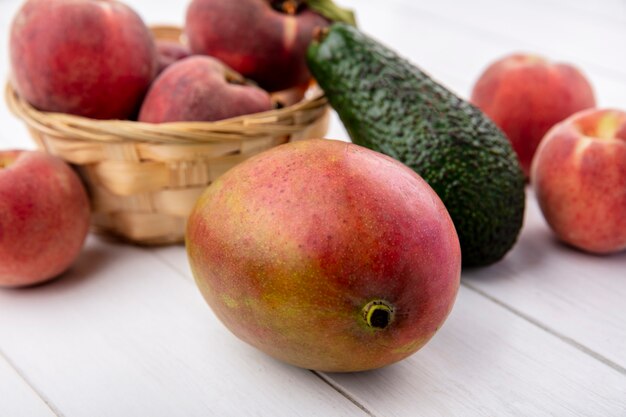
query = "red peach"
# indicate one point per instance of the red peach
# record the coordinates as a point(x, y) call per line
point(169, 52)
point(525, 95)
point(200, 88)
point(84, 57)
point(579, 177)
point(255, 39)
point(44, 217)
point(326, 255)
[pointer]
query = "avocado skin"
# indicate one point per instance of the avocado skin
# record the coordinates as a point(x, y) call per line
point(390, 106)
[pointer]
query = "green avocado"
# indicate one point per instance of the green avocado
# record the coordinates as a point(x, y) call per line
point(389, 105)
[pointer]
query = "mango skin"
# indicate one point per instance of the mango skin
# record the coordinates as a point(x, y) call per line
point(288, 247)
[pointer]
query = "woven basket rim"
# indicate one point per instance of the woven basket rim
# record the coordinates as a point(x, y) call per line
point(272, 122)
point(236, 128)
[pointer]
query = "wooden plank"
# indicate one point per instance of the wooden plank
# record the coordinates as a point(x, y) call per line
point(122, 335)
point(577, 295)
point(17, 398)
point(174, 256)
point(487, 361)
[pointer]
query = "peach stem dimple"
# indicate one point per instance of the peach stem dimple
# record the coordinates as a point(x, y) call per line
point(7, 158)
point(290, 7)
point(534, 59)
point(609, 125)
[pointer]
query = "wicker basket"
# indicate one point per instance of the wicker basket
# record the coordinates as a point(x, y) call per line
point(144, 178)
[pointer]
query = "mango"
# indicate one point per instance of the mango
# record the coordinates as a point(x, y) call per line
point(325, 255)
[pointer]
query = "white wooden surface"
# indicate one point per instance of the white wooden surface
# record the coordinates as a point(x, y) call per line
point(543, 333)
point(577, 297)
point(123, 335)
point(19, 399)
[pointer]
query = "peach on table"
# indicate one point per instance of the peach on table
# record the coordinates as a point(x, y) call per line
point(579, 176)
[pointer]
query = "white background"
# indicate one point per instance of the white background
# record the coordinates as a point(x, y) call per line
point(542, 333)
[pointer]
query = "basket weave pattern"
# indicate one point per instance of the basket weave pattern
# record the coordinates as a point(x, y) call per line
point(143, 178)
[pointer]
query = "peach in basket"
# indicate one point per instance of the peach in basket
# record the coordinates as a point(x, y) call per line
point(144, 178)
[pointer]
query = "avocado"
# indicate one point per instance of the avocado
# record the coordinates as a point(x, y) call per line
point(390, 106)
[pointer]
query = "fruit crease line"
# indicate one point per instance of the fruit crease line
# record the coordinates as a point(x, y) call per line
point(328, 381)
point(163, 260)
point(568, 340)
point(21, 374)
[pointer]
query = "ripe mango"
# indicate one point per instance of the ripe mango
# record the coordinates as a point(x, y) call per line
point(326, 255)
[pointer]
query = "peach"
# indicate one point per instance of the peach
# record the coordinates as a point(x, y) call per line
point(92, 58)
point(200, 88)
point(326, 255)
point(169, 52)
point(525, 95)
point(255, 38)
point(44, 217)
point(579, 177)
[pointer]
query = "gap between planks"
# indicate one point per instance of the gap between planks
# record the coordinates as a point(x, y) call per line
point(342, 392)
point(327, 381)
point(53, 409)
point(568, 340)
point(552, 332)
